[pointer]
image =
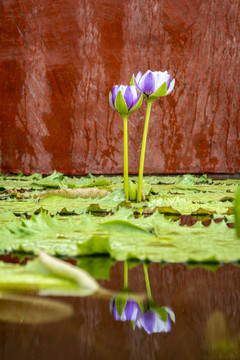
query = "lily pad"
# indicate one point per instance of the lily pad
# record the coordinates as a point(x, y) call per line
point(115, 227)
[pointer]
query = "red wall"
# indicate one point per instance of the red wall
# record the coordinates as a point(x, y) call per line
point(60, 58)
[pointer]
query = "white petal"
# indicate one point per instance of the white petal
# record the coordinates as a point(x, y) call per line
point(138, 323)
point(172, 83)
point(123, 317)
point(138, 76)
point(134, 92)
point(158, 79)
point(123, 88)
point(110, 101)
point(159, 325)
point(171, 313)
point(137, 84)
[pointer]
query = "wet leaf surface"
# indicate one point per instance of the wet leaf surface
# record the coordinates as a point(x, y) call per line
point(103, 222)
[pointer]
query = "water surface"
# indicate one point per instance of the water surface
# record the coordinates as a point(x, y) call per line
point(206, 305)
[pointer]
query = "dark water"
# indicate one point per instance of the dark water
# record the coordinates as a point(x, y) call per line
point(206, 305)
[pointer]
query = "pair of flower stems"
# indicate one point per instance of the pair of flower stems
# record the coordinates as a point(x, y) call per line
point(125, 100)
point(142, 156)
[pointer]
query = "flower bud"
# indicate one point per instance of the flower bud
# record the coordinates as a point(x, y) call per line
point(125, 99)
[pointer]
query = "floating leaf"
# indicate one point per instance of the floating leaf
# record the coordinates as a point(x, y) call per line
point(123, 232)
point(123, 226)
point(237, 212)
point(74, 193)
point(189, 179)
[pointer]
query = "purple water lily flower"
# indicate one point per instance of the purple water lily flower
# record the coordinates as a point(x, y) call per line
point(130, 313)
point(152, 83)
point(151, 322)
point(125, 99)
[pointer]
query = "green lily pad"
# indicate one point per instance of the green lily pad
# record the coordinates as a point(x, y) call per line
point(118, 228)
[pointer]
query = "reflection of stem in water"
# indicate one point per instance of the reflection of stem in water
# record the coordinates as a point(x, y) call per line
point(125, 283)
point(108, 294)
point(147, 282)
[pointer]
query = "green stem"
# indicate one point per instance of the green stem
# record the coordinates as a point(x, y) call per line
point(125, 155)
point(125, 281)
point(147, 282)
point(142, 157)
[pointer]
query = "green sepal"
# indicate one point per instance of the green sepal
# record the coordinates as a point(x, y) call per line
point(160, 310)
point(140, 303)
point(132, 191)
point(162, 313)
point(172, 315)
point(138, 104)
point(122, 298)
point(237, 212)
point(162, 91)
point(133, 324)
point(132, 82)
point(120, 302)
point(120, 104)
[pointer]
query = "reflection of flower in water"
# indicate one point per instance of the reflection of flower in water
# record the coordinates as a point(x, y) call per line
point(154, 319)
point(130, 311)
point(126, 306)
point(152, 322)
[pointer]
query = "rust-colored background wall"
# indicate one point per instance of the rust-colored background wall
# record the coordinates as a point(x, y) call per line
point(60, 58)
